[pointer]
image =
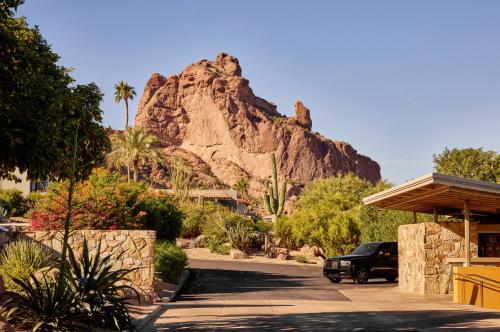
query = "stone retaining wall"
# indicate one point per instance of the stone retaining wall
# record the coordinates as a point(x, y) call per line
point(137, 250)
point(423, 252)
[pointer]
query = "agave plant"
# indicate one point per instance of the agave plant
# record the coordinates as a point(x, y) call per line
point(239, 236)
point(89, 294)
point(4, 214)
point(43, 306)
point(20, 259)
point(99, 288)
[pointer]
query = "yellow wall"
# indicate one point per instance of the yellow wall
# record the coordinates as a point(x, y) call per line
point(469, 291)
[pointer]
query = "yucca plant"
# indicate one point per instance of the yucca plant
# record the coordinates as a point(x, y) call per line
point(99, 288)
point(239, 236)
point(22, 258)
point(43, 306)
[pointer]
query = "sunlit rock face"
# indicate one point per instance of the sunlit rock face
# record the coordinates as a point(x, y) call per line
point(209, 115)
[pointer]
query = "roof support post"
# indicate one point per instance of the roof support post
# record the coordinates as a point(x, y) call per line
point(414, 217)
point(467, 232)
point(436, 216)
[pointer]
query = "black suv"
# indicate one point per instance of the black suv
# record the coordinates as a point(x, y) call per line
point(369, 260)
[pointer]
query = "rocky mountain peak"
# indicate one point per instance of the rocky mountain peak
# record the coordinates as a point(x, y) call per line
point(209, 116)
point(303, 115)
point(229, 64)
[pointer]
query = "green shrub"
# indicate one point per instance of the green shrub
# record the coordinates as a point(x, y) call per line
point(215, 233)
point(239, 236)
point(170, 260)
point(215, 221)
point(283, 231)
point(159, 213)
point(194, 218)
point(330, 214)
point(22, 258)
point(381, 225)
point(32, 200)
point(218, 248)
point(300, 258)
point(218, 224)
point(13, 201)
point(263, 226)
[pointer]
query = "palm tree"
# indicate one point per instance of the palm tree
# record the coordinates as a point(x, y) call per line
point(133, 148)
point(125, 92)
point(241, 186)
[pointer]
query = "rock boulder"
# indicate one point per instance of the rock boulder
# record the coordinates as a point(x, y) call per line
point(237, 254)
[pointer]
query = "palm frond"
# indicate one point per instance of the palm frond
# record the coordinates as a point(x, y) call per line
point(135, 145)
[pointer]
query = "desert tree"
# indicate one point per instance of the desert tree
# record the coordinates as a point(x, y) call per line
point(39, 106)
point(469, 163)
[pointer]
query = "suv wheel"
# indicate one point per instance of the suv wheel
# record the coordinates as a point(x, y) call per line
point(391, 279)
point(362, 276)
point(335, 280)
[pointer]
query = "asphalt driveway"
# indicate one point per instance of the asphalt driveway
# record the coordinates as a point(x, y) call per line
point(237, 295)
point(239, 280)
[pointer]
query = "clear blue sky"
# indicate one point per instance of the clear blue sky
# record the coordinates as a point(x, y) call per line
point(399, 80)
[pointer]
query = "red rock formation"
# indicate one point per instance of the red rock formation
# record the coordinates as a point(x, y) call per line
point(209, 112)
point(303, 115)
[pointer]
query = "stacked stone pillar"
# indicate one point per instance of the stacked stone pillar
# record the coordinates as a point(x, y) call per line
point(424, 250)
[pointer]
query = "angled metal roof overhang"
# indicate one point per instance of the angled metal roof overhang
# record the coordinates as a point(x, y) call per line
point(440, 192)
point(223, 194)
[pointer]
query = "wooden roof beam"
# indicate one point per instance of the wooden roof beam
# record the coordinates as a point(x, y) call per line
point(418, 197)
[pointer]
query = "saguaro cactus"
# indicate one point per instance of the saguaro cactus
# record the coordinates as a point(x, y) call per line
point(274, 200)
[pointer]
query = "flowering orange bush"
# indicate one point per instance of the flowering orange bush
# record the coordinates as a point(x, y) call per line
point(105, 201)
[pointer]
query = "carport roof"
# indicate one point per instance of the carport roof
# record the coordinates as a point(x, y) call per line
point(440, 192)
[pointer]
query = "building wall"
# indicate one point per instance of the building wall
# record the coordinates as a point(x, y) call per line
point(424, 249)
point(477, 291)
point(23, 186)
point(137, 250)
point(411, 261)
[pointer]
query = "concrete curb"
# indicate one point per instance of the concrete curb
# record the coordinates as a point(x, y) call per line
point(139, 323)
point(251, 260)
point(182, 280)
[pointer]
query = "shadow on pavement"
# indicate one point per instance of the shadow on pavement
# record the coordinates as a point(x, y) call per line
point(213, 283)
point(348, 321)
point(207, 284)
point(207, 281)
